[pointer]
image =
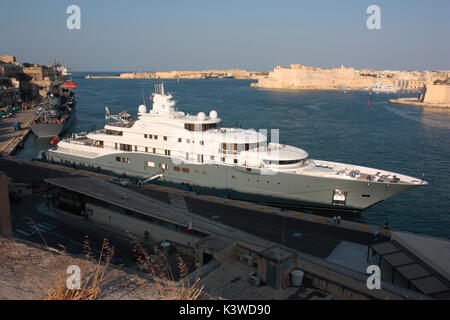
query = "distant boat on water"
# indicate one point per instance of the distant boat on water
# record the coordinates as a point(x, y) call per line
point(379, 87)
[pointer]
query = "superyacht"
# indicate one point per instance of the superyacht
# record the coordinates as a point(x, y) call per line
point(167, 146)
point(380, 87)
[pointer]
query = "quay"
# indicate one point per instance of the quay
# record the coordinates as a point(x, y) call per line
point(416, 103)
point(10, 140)
point(234, 237)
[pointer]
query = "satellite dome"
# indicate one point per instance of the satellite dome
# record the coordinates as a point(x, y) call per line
point(213, 114)
point(142, 109)
point(201, 116)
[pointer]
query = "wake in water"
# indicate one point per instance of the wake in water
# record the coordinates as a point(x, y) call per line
point(313, 107)
point(439, 118)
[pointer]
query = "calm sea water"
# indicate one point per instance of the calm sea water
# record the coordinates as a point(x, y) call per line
point(329, 125)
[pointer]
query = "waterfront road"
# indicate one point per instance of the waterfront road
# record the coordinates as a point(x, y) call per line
point(313, 238)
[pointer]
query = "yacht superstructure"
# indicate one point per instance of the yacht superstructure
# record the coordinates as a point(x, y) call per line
point(193, 151)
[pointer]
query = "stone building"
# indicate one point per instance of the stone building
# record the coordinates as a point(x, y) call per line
point(8, 81)
point(9, 60)
point(38, 80)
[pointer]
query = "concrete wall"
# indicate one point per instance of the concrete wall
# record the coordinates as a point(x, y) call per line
point(5, 210)
point(137, 227)
point(437, 94)
point(220, 256)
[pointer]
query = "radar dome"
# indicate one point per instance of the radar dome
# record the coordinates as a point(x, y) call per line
point(142, 109)
point(201, 116)
point(213, 114)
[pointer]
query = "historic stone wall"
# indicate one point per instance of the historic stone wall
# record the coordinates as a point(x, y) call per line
point(437, 94)
point(302, 77)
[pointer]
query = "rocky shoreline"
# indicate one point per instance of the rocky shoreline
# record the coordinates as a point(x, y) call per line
point(416, 103)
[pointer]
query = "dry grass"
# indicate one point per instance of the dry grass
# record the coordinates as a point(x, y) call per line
point(157, 265)
point(90, 280)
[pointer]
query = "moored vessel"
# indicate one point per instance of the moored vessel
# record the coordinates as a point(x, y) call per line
point(55, 115)
point(167, 146)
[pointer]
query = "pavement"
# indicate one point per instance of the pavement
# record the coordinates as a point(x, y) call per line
point(9, 139)
point(314, 238)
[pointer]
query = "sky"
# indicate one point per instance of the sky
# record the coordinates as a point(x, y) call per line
point(147, 35)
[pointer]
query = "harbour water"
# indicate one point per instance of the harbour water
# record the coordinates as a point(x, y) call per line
point(352, 127)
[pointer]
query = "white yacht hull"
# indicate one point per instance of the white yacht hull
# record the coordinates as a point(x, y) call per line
point(282, 188)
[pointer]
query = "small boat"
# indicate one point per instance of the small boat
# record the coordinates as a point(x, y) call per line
point(69, 85)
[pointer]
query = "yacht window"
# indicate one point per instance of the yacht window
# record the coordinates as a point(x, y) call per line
point(146, 149)
point(113, 132)
point(176, 169)
point(167, 152)
point(186, 170)
point(155, 137)
point(247, 147)
point(206, 127)
point(202, 143)
point(235, 161)
point(150, 136)
point(126, 147)
point(163, 166)
point(150, 164)
point(179, 139)
point(211, 157)
point(188, 141)
point(165, 138)
point(285, 162)
point(122, 159)
point(154, 150)
point(145, 136)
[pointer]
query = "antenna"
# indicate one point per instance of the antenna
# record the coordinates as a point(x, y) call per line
point(143, 99)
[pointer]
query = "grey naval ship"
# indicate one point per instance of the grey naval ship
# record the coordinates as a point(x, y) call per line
point(167, 146)
point(55, 115)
